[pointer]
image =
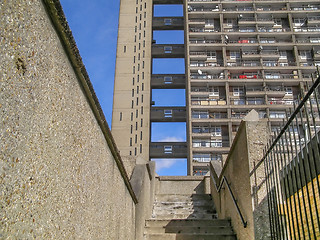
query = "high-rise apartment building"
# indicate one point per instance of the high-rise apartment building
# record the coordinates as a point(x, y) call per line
point(239, 55)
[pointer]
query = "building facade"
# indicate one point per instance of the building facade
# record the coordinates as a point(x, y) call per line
point(239, 55)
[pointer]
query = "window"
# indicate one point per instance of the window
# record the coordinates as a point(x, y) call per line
point(142, 98)
point(132, 103)
point(305, 54)
point(132, 116)
point(135, 138)
point(277, 114)
point(216, 131)
point(167, 113)
point(137, 89)
point(288, 90)
point(167, 21)
point(136, 126)
point(124, 48)
point(134, 59)
point(234, 55)
point(167, 149)
point(214, 92)
point(137, 101)
point(141, 122)
point(211, 55)
point(238, 91)
point(141, 110)
point(142, 87)
point(168, 80)
point(130, 142)
point(133, 81)
point(131, 129)
point(121, 116)
point(167, 49)
point(141, 135)
point(140, 148)
point(135, 151)
point(199, 114)
point(136, 113)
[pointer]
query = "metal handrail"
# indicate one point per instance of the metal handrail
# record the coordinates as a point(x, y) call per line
point(218, 189)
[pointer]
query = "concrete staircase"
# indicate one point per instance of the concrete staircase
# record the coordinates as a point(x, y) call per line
point(186, 217)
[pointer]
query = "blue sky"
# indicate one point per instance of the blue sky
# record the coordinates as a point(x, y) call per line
point(94, 26)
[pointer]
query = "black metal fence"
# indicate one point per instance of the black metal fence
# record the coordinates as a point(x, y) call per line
point(292, 168)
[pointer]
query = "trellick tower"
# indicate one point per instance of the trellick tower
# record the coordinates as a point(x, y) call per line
point(239, 55)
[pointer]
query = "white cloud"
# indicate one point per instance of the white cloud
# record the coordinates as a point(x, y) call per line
point(164, 163)
point(172, 139)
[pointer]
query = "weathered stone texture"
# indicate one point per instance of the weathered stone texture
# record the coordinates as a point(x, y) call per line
point(58, 178)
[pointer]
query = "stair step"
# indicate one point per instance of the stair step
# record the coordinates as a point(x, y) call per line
point(218, 230)
point(208, 203)
point(172, 236)
point(182, 197)
point(185, 216)
point(188, 223)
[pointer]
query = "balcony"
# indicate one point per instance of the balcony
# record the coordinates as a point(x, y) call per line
point(168, 150)
point(206, 76)
point(168, 23)
point(250, 55)
point(241, 29)
point(168, 114)
point(270, 54)
point(208, 102)
point(316, 54)
point(205, 144)
point(205, 115)
point(271, 30)
point(204, 30)
point(246, 21)
point(249, 64)
point(306, 8)
point(168, 81)
point(239, 9)
point(280, 101)
point(211, 63)
point(255, 91)
point(168, 51)
point(307, 29)
point(265, 21)
point(202, 9)
point(167, 1)
point(206, 157)
point(204, 41)
point(313, 20)
point(267, 8)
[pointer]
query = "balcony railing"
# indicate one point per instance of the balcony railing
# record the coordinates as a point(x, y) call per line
point(239, 9)
point(244, 64)
point(201, 41)
point(264, 29)
point(204, 29)
point(204, 77)
point(208, 102)
point(307, 29)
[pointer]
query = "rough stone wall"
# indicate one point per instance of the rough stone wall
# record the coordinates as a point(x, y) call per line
point(58, 178)
point(247, 183)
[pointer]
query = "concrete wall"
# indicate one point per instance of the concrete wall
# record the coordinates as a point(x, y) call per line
point(131, 98)
point(60, 175)
point(182, 185)
point(246, 181)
